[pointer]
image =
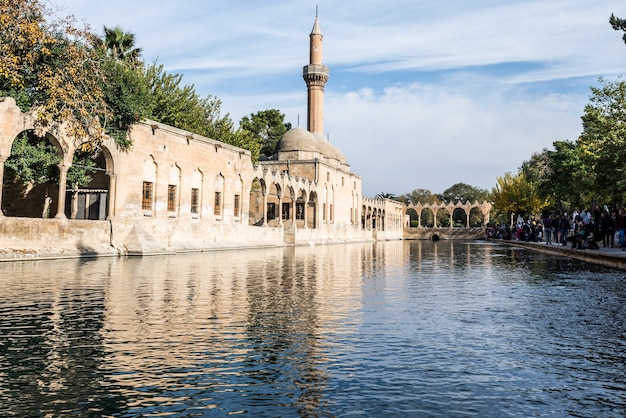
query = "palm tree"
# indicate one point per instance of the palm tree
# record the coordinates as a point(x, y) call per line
point(386, 196)
point(121, 45)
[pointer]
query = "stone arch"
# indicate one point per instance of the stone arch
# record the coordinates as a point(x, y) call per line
point(288, 205)
point(476, 217)
point(218, 201)
point(443, 218)
point(94, 200)
point(273, 205)
point(331, 205)
point(256, 211)
point(238, 198)
point(459, 218)
point(312, 207)
point(413, 217)
point(301, 208)
point(197, 193)
point(427, 218)
point(149, 176)
point(173, 190)
point(33, 200)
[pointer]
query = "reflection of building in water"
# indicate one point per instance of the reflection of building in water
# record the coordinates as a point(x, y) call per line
point(177, 191)
point(230, 321)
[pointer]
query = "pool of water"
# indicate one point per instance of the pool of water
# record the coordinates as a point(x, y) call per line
point(420, 329)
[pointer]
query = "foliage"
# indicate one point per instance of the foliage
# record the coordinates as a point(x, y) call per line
point(50, 66)
point(181, 106)
point(618, 24)
point(97, 85)
point(461, 192)
point(246, 140)
point(79, 174)
point(268, 126)
point(384, 195)
point(120, 45)
point(129, 97)
point(602, 145)
point(32, 160)
point(422, 196)
point(515, 194)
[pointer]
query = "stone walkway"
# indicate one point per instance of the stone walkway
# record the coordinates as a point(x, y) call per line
point(609, 257)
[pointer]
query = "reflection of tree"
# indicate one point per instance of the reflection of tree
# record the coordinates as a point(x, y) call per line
point(53, 349)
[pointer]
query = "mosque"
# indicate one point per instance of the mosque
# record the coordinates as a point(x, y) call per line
point(176, 191)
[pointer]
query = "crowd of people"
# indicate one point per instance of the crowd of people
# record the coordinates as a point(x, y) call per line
point(581, 228)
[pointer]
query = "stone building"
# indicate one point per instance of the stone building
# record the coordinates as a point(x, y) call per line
point(177, 191)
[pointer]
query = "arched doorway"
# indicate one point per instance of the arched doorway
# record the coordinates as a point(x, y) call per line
point(30, 185)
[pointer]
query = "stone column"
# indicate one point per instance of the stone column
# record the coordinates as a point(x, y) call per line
point(112, 195)
point(264, 209)
point(2, 160)
point(62, 188)
point(305, 209)
point(280, 211)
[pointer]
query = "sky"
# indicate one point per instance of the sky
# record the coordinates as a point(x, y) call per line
point(422, 94)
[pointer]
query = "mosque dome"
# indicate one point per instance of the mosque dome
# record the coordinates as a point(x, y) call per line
point(299, 139)
point(329, 150)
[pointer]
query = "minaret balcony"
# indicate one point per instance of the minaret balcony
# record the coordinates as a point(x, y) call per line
point(315, 72)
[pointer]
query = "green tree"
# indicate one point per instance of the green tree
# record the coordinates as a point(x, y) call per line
point(120, 45)
point(618, 24)
point(423, 196)
point(80, 173)
point(128, 96)
point(384, 195)
point(602, 144)
point(268, 126)
point(33, 160)
point(461, 192)
point(514, 194)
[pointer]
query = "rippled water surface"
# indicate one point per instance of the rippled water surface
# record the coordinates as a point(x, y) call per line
point(414, 329)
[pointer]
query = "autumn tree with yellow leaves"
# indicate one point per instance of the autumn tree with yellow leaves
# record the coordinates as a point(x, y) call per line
point(50, 66)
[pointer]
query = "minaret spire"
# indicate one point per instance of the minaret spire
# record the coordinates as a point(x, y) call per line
point(315, 75)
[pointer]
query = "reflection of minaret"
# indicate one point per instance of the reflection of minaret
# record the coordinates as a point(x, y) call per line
point(315, 75)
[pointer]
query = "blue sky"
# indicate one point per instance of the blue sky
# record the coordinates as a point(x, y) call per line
point(422, 94)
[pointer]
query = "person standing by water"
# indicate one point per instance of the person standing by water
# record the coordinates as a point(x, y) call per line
point(547, 229)
point(564, 226)
point(620, 226)
point(610, 229)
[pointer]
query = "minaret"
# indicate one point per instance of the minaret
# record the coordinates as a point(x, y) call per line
point(315, 75)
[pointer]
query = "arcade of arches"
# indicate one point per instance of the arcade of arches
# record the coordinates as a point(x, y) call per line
point(459, 215)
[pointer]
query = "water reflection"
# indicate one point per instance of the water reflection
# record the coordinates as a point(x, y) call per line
point(397, 328)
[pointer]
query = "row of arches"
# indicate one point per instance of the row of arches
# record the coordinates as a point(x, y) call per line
point(469, 215)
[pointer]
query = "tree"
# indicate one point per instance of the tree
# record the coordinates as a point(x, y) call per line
point(32, 160)
point(514, 194)
point(422, 196)
point(120, 45)
point(268, 126)
point(386, 196)
point(602, 144)
point(129, 98)
point(50, 65)
point(462, 192)
point(618, 24)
